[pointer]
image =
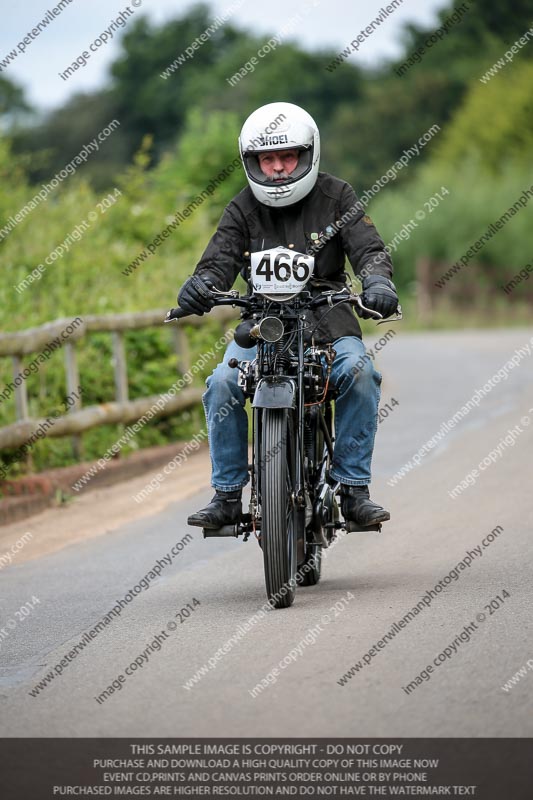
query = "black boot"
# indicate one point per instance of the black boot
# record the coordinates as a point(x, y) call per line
point(357, 507)
point(225, 508)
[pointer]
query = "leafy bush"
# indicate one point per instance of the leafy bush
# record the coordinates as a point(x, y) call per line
point(89, 279)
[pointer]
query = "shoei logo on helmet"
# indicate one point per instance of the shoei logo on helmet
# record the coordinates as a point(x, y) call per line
point(267, 141)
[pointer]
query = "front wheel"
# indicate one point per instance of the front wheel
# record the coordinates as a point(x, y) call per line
point(278, 515)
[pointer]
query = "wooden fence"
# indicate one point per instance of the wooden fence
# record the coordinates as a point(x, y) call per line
point(120, 409)
point(475, 285)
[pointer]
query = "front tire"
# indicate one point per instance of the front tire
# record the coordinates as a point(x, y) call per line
point(278, 516)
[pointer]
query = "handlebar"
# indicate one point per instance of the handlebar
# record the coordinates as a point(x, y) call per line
point(179, 313)
point(175, 313)
point(331, 298)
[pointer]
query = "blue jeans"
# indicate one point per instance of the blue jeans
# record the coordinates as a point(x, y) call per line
point(356, 416)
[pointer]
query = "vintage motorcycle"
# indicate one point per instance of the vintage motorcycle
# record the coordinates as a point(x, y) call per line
point(293, 506)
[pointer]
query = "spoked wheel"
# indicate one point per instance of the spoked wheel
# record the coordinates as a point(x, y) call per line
point(310, 570)
point(278, 515)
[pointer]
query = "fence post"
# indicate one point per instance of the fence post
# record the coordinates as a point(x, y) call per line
point(121, 373)
point(73, 383)
point(21, 395)
point(21, 404)
point(424, 296)
point(181, 347)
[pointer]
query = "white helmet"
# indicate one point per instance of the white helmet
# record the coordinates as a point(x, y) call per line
point(280, 126)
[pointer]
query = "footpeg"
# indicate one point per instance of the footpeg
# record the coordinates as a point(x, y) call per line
point(225, 530)
point(353, 527)
point(238, 529)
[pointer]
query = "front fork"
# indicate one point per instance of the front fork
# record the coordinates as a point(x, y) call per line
point(300, 497)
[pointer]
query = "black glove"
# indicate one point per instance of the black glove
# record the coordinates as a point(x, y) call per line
point(379, 294)
point(195, 297)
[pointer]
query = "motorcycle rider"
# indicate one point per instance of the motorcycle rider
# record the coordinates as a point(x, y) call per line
point(289, 202)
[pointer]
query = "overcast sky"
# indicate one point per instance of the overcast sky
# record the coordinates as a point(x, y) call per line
point(333, 23)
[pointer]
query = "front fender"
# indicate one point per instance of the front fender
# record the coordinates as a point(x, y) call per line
point(275, 393)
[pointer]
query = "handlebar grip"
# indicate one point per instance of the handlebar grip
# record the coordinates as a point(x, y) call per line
point(176, 313)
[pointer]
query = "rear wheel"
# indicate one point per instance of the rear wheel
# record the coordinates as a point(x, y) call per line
point(309, 571)
point(278, 515)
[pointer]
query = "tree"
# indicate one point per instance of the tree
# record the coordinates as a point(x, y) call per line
point(366, 117)
point(206, 148)
point(65, 132)
point(494, 124)
point(504, 21)
point(12, 102)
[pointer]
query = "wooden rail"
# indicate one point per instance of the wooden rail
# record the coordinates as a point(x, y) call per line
point(64, 333)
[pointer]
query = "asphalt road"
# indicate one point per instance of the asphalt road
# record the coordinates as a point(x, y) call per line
point(374, 580)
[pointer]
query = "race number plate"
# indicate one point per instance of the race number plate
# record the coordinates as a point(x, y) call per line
point(280, 271)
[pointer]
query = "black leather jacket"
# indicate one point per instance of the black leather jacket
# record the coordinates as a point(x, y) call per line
point(248, 226)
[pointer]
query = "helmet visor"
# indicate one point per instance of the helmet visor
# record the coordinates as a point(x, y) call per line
point(256, 174)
